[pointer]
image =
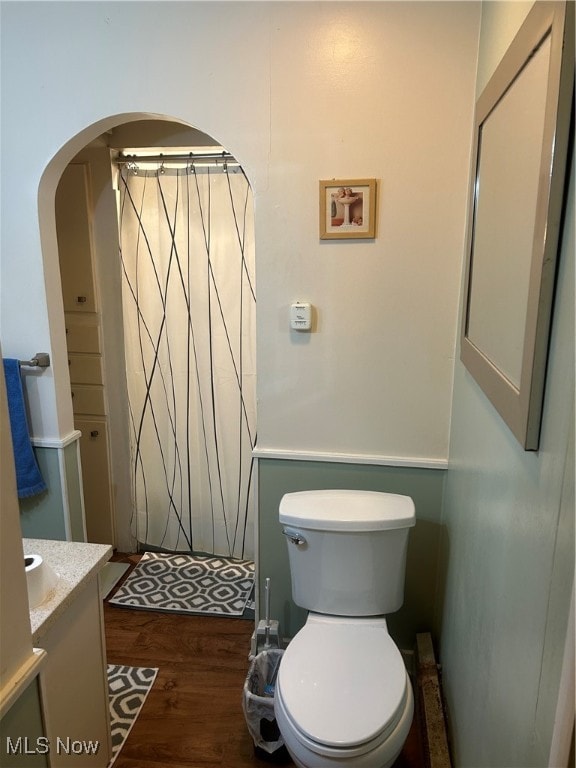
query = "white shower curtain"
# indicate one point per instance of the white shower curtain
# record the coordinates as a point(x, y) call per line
point(187, 252)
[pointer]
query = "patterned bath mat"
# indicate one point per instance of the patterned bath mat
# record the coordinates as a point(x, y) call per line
point(181, 583)
point(128, 688)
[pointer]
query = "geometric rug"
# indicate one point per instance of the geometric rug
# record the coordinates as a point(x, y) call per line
point(127, 690)
point(182, 583)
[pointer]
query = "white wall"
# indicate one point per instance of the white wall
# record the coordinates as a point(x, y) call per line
point(298, 92)
point(381, 92)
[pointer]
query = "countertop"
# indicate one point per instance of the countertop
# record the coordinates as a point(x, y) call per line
point(76, 563)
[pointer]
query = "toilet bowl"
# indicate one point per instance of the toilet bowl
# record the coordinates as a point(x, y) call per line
point(343, 696)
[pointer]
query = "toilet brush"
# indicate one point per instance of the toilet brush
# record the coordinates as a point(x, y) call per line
point(267, 633)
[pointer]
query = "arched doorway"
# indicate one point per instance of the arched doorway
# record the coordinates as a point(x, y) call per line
point(108, 420)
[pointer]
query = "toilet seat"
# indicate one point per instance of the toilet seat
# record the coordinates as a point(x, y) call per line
point(400, 724)
point(331, 662)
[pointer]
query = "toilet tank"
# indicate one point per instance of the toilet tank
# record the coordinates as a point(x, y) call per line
point(347, 550)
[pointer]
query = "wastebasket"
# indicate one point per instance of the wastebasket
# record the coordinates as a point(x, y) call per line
point(258, 704)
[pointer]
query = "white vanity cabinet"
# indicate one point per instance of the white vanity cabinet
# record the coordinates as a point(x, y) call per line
point(69, 626)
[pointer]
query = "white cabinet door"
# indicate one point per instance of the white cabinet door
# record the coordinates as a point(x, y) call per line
point(74, 685)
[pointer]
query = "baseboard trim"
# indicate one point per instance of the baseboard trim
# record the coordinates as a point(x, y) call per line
point(430, 694)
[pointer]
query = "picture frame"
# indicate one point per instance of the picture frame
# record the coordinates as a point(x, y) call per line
point(348, 209)
point(522, 127)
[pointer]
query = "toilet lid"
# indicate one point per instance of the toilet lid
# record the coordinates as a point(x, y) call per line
point(342, 683)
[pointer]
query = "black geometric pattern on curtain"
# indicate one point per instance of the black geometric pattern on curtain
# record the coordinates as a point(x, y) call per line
point(187, 257)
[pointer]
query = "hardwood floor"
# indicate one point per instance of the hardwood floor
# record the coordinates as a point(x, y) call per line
point(193, 715)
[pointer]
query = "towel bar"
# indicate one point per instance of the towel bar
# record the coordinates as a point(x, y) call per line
point(40, 360)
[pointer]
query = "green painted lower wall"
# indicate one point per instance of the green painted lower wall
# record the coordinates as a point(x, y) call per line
point(276, 477)
point(42, 516)
point(72, 470)
point(22, 741)
point(47, 515)
point(509, 558)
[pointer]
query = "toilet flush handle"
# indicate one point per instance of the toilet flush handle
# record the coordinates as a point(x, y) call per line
point(294, 536)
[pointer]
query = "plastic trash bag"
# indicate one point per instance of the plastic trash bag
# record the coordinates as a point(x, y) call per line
point(258, 700)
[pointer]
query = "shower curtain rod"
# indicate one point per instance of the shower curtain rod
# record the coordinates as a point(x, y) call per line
point(224, 157)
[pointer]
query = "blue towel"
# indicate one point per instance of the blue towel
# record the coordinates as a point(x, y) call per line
point(29, 481)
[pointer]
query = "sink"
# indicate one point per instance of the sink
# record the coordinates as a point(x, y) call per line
point(40, 578)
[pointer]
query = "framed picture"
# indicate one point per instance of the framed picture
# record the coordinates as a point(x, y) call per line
point(347, 209)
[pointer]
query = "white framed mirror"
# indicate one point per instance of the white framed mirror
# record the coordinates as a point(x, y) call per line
point(522, 129)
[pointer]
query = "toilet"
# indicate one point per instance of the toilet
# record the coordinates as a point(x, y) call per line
point(343, 696)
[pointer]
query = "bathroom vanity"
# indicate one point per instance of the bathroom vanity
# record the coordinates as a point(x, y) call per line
point(69, 626)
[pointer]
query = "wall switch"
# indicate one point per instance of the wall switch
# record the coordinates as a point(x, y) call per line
point(301, 316)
